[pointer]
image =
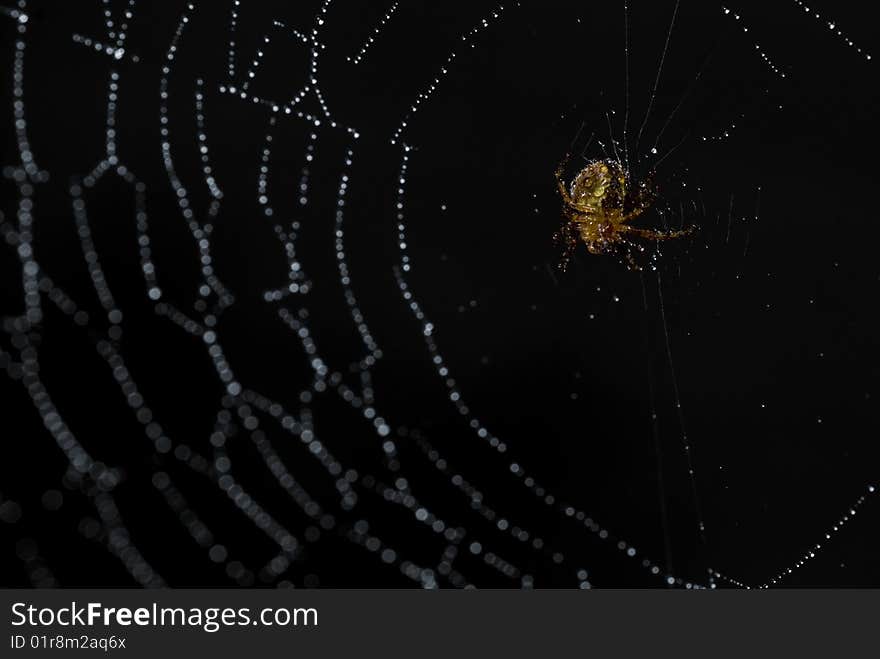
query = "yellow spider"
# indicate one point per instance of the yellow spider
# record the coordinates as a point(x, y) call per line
point(598, 204)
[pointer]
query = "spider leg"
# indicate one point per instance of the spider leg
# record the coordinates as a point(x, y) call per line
point(633, 214)
point(651, 234)
point(639, 208)
point(567, 236)
point(580, 209)
point(560, 182)
point(563, 191)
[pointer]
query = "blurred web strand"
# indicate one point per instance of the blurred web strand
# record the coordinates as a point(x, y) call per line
point(761, 53)
point(362, 53)
point(24, 329)
point(16, 14)
point(455, 394)
point(428, 91)
point(809, 554)
point(233, 25)
point(626, 81)
point(684, 97)
point(243, 398)
point(680, 411)
point(659, 73)
point(833, 27)
point(80, 460)
point(757, 218)
point(655, 436)
point(240, 400)
point(326, 379)
point(611, 137)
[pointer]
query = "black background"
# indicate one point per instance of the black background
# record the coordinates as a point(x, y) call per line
point(769, 307)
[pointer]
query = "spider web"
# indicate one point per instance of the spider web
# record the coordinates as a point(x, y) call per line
point(285, 310)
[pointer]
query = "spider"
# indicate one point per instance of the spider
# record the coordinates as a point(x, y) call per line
point(598, 204)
